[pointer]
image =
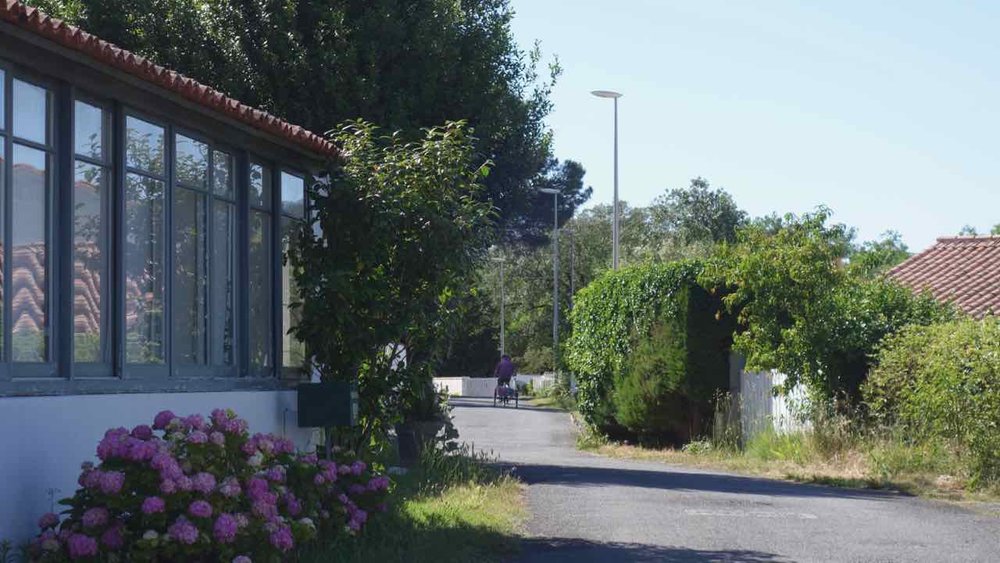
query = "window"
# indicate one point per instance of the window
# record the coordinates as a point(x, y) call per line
point(261, 323)
point(293, 199)
point(26, 298)
point(91, 223)
point(144, 251)
point(204, 267)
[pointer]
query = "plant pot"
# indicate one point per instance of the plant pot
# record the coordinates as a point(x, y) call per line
point(413, 436)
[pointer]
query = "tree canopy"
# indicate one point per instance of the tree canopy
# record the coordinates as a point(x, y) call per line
point(402, 64)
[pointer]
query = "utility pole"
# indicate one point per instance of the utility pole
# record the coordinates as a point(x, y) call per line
point(555, 276)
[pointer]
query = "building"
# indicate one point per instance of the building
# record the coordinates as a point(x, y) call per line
point(143, 220)
point(961, 270)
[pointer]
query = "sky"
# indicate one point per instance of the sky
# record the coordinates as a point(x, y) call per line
point(887, 112)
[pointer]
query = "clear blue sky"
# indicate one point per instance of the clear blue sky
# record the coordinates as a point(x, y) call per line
point(888, 112)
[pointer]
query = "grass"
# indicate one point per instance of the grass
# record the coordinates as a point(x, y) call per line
point(829, 458)
point(551, 397)
point(452, 507)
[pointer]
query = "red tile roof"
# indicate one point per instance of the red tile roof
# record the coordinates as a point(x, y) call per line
point(963, 270)
point(36, 21)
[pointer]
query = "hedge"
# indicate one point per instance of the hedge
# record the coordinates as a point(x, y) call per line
point(618, 313)
point(943, 381)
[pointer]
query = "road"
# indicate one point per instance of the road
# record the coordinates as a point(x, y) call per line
point(586, 507)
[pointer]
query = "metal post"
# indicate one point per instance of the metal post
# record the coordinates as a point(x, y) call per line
point(615, 223)
point(555, 283)
point(572, 267)
point(503, 299)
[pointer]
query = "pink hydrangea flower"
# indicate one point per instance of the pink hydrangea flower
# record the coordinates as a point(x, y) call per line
point(217, 438)
point(183, 531)
point(153, 505)
point(48, 520)
point(200, 509)
point(168, 487)
point(194, 422)
point(95, 517)
point(225, 529)
point(81, 545)
point(163, 419)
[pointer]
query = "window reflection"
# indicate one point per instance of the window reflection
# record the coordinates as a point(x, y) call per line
point(88, 125)
point(260, 186)
point(261, 294)
point(293, 195)
point(144, 146)
point(31, 112)
point(223, 288)
point(222, 176)
point(89, 263)
point(192, 163)
point(190, 322)
point(143, 262)
point(29, 274)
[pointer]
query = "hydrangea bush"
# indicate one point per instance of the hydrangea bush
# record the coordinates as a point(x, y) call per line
point(196, 489)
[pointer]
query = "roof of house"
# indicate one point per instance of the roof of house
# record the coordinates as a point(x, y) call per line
point(36, 21)
point(962, 270)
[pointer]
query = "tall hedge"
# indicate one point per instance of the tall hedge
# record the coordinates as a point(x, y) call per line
point(617, 315)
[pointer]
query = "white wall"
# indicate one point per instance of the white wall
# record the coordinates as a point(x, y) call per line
point(484, 386)
point(43, 440)
point(760, 409)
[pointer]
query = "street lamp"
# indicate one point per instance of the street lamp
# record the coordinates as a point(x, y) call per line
point(555, 275)
point(503, 298)
point(614, 220)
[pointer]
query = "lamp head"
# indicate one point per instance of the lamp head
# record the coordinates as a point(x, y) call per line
point(606, 94)
point(550, 191)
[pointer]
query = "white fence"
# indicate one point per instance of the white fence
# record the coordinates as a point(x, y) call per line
point(761, 409)
point(484, 386)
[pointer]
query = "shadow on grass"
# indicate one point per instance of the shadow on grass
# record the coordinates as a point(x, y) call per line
point(583, 551)
point(397, 537)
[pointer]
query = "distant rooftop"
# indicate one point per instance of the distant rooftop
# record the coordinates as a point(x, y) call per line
point(962, 270)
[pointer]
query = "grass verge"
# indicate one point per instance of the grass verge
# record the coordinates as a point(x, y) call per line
point(928, 470)
point(452, 507)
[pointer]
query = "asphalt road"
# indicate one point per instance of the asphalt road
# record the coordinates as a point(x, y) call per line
point(590, 508)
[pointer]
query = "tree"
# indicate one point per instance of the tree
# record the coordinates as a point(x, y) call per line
point(996, 229)
point(400, 229)
point(698, 213)
point(403, 65)
point(873, 258)
point(801, 312)
point(968, 231)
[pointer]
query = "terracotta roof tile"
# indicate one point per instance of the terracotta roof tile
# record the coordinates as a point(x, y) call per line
point(963, 270)
point(58, 31)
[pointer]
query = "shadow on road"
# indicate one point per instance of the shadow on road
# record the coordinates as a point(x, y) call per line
point(582, 551)
point(488, 404)
point(672, 479)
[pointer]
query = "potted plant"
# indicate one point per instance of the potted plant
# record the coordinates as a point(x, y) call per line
point(426, 421)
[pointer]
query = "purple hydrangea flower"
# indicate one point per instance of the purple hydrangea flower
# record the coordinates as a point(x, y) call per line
point(356, 489)
point(184, 483)
point(113, 538)
point(358, 467)
point(48, 520)
point(153, 505)
point(200, 509)
point(197, 437)
point(183, 531)
point(276, 474)
point(112, 482)
point(162, 419)
point(95, 517)
point(81, 545)
point(225, 528)
point(282, 538)
point(168, 487)
point(142, 432)
point(217, 438)
point(242, 559)
point(203, 482)
point(230, 487)
point(194, 422)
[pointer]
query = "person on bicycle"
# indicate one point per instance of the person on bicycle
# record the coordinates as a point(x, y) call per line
point(504, 371)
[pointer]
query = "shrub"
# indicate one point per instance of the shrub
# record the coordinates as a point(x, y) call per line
point(943, 381)
point(616, 313)
point(649, 393)
point(191, 489)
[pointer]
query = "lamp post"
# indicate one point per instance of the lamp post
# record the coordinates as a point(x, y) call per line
point(555, 276)
point(503, 299)
point(614, 221)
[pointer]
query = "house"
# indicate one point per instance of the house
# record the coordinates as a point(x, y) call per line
point(961, 270)
point(143, 220)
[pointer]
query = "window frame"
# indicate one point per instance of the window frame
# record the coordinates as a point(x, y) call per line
point(61, 374)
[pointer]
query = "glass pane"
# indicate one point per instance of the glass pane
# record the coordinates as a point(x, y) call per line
point(223, 279)
point(293, 351)
point(293, 194)
point(3, 106)
point(144, 249)
point(222, 178)
point(29, 273)
point(192, 163)
point(89, 263)
point(144, 145)
point(190, 297)
point(260, 292)
point(260, 186)
point(3, 264)
point(89, 126)
point(31, 108)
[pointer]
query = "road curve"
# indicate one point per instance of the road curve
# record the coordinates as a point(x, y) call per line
point(586, 507)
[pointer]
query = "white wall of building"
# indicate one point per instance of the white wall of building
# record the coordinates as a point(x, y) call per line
point(43, 440)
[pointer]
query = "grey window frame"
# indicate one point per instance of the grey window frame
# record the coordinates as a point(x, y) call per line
point(62, 374)
point(288, 372)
